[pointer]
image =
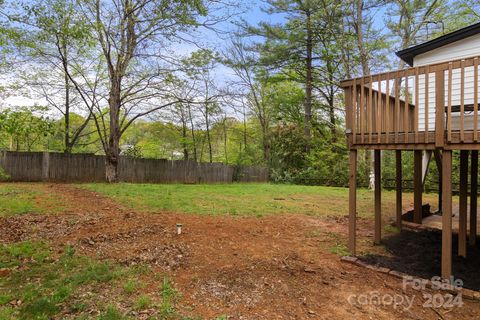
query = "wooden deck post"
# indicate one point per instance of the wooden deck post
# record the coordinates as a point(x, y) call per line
point(447, 214)
point(417, 187)
point(462, 222)
point(398, 185)
point(473, 197)
point(378, 197)
point(352, 208)
point(438, 160)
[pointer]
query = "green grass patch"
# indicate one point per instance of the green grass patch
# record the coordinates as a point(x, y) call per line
point(169, 298)
point(391, 229)
point(112, 313)
point(27, 198)
point(142, 302)
point(43, 285)
point(246, 199)
point(14, 200)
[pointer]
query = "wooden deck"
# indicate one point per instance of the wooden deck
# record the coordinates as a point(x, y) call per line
point(435, 221)
point(397, 110)
point(433, 107)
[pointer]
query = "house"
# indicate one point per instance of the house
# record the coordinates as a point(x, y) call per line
point(429, 108)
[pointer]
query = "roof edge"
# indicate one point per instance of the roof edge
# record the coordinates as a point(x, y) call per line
point(409, 54)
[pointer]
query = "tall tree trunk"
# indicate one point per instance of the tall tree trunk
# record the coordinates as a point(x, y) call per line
point(360, 38)
point(225, 138)
point(333, 120)
point(244, 128)
point(184, 139)
point(308, 81)
point(266, 146)
point(331, 107)
point(113, 146)
point(68, 145)
point(192, 130)
point(359, 21)
point(207, 121)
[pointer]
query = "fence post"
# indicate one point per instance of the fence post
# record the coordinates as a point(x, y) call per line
point(45, 166)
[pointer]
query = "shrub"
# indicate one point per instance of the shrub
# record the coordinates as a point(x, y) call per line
point(3, 175)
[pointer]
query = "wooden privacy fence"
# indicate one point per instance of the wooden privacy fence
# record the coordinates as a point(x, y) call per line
point(60, 167)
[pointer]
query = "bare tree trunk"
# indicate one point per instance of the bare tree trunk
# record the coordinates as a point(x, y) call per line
point(207, 122)
point(266, 146)
point(308, 81)
point(244, 128)
point(192, 130)
point(359, 22)
point(68, 145)
point(360, 38)
point(184, 140)
point(183, 119)
point(225, 137)
point(113, 147)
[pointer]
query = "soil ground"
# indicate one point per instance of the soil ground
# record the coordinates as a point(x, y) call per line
point(273, 267)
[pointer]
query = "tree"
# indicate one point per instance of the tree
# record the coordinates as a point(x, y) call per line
point(131, 37)
point(54, 38)
point(24, 129)
point(408, 18)
point(364, 46)
point(291, 48)
point(250, 83)
point(200, 67)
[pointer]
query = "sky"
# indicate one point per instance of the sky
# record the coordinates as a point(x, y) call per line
point(253, 14)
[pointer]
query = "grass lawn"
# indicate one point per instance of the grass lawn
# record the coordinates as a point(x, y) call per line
point(247, 199)
point(27, 198)
point(42, 285)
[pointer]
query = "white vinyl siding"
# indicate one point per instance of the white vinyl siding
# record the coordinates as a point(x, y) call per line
point(422, 100)
point(466, 48)
point(469, 47)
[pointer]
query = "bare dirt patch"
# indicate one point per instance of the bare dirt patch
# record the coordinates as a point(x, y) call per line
point(274, 267)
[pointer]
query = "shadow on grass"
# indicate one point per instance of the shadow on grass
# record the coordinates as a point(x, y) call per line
point(418, 253)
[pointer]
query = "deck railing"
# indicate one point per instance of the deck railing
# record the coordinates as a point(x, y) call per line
point(433, 105)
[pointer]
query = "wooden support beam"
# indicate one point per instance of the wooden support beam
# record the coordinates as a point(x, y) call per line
point(398, 184)
point(352, 220)
point(473, 197)
point(417, 187)
point(447, 214)
point(378, 196)
point(462, 222)
point(438, 161)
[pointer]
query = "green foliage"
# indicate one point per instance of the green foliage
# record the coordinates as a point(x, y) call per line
point(133, 152)
point(25, 128)
point(3, 175)
point(288, 152)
